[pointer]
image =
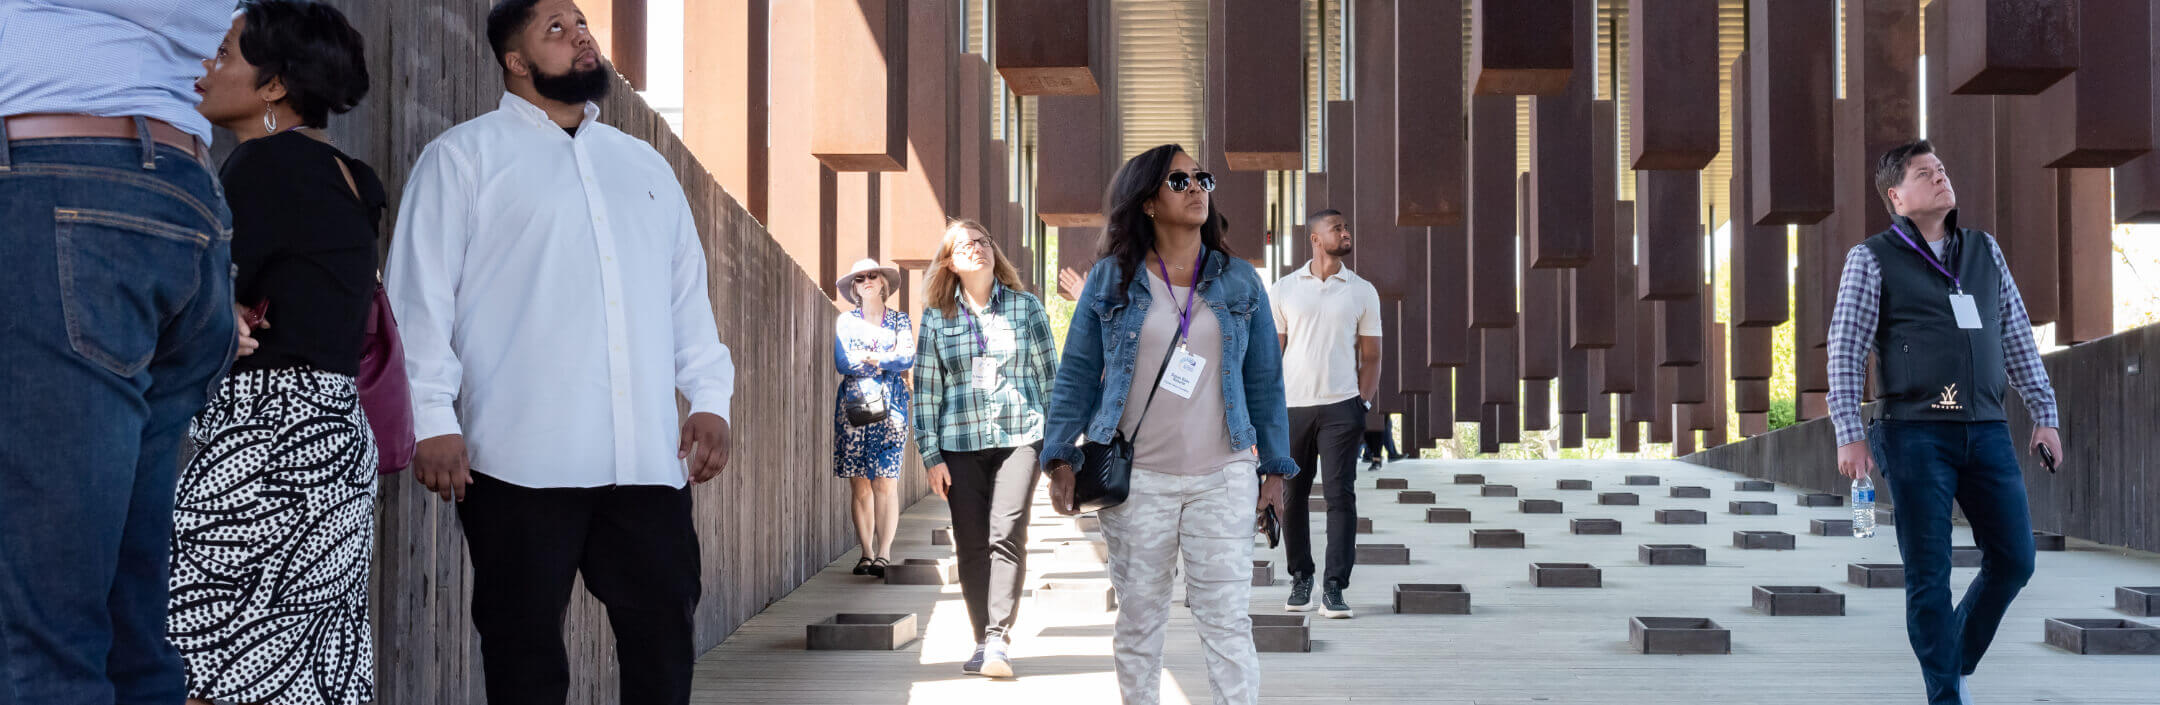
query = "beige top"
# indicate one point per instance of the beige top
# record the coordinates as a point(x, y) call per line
point(1183, 436)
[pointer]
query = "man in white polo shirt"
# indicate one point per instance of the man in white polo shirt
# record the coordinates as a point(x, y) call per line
point(1328, 320)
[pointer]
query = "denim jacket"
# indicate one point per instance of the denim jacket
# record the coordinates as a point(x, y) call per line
point(1096, 371)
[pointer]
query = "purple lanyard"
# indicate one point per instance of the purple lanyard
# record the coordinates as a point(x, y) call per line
point(1956, 287)
point(1184, 319)
point(982, 345)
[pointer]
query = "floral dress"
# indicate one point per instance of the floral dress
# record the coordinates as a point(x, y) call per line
point(871, 354)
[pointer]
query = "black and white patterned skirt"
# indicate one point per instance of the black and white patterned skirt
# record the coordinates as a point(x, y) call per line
point(272, 532)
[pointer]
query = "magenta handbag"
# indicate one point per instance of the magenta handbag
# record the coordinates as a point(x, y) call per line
point(384, 393)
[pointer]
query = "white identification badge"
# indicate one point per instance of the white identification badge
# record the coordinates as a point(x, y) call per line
point(985, 375)
point(1183, 375)
point(1968, 316)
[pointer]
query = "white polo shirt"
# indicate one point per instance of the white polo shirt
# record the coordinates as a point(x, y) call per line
point(1323, 318)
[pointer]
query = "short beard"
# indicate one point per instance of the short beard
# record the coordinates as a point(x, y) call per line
point(574, 87)
point(1339, 252)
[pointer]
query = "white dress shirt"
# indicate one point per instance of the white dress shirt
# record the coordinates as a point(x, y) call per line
point(1323, 319)
point(552, 302)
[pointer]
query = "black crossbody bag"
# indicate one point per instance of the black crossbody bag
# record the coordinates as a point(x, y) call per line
point(1104, 478)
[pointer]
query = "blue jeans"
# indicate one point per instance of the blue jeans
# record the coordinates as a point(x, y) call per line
point(115, 323)
point(1929, 464)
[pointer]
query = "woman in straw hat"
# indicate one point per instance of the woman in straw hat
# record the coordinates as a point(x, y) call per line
point(873, 347)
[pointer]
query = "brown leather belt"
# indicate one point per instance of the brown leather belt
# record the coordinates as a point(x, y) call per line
point(56, 126)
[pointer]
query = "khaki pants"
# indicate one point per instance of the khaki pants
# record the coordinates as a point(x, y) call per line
point(1208, 521)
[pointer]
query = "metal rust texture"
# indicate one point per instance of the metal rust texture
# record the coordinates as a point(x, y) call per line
point(1526, 47)
point(1672, 76)
point(1431, 153)
point(1781, 112)
point(1045, 47)
point(1558, 229)
point(2011, 47)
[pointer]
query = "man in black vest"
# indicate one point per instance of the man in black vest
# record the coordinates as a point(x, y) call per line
point(1936, 305)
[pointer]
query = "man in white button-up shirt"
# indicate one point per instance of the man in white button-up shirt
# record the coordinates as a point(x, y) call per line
point(551, 290)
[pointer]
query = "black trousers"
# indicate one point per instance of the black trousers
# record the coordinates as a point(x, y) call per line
point(992, 491)
point(1324, 439)
point(638, 551)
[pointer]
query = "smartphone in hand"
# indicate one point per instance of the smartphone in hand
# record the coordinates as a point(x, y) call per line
point(2047, 457)
point(1271, 526)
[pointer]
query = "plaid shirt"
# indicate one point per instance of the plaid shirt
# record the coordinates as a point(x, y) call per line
point(1852, 334)
point(951, 414)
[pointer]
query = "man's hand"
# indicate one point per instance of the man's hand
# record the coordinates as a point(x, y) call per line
point(1061, 488)
point(1853, 460)
point(940, 479)
point(2046, 436)
point(705, 445)
point(1271, 495)
point(440, 464)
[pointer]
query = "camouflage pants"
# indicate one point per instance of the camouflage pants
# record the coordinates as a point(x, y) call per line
point(1208, 521)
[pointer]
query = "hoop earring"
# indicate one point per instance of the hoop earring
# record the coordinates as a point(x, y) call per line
point(269, 119)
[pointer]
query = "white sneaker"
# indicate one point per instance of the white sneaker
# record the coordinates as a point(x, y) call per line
point(995, 662)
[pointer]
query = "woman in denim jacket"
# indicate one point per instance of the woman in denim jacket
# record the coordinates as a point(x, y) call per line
point(1213, 448)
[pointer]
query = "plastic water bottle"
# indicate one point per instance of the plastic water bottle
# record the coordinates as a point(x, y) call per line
point(1863, 508)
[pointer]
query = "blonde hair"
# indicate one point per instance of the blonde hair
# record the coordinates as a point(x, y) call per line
point(943, 281)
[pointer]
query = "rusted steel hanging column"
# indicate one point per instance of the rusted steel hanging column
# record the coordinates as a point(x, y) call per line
point(1440, 404)
point(1575, 380)
point(1591, 310)
point(1383, 254)
point(1429, 163)
point(2011, 47)
point(1630, 435)
point(1488, 438)
point(1668, 234)
point(1470, 378)
point(861, 119)
point(725, 96)
point(972, 103)
point(1620, 369)
point(1557, 229)
point(1781, 104)
point(1648, 394)
point(802, 189)
point(2026, 203)
point(1758, 252)
point(2107, 104)
point(1882, 57)
point(1492, 211)
point(913, 202)
point(1523, 47)
point(1542, 338)
point(1342, 160)
point(1962, 129)
point(1263, 90)
point(1501, 382)
point(1673, 74)
point(1571, 430)
point(1073, 147)
point(1599, 422)
point(619, 26)
point(2088, 254)
point(1241, 196)
point(1044, 47)
point(1447, 287)
point(1537, 412)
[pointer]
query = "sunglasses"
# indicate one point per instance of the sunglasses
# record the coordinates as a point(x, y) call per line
point(1179, 181)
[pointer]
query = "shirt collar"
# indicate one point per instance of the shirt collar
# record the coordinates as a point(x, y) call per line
point(997, 291)
point(524, 109)
point(1342, 273)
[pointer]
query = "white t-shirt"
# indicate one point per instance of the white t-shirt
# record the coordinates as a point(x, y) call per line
point(1323, 319)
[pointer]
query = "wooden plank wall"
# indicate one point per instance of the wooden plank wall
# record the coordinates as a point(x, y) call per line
point(2106, 490)
point(774, 519)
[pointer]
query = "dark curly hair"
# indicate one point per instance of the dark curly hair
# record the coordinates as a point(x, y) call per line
point(309, 45)
point(1130, 233)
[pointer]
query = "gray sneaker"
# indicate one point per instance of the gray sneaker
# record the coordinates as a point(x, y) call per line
point(1332, 605)
point(1300, 594)
point(974, 665)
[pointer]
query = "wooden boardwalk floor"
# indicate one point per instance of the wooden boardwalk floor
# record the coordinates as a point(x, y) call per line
point(1520, 644)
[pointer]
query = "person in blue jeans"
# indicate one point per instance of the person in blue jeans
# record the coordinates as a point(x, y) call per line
point(1935, 303)
point(118, 325)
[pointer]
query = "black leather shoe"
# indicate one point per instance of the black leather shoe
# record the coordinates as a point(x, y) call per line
point(862, 567)
point(877, 568)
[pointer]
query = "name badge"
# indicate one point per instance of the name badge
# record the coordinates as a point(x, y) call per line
point(985, 377)
point(1184, 372)
point(1968, 316)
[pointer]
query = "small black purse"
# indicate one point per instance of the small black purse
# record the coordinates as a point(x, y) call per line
point(868, 404)
point(1104, 478)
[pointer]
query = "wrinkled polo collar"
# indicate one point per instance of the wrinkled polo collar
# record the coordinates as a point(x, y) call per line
point(1342, 273)
point(517, 105)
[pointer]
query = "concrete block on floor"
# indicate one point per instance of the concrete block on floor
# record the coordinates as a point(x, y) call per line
point(1263, 573)
point(862, 632)
point(1682, 516)
point(1316, 504)
point(1415, 497)
point(1754, 486)
point(1594, 527)
point(1447, 515)
point(1469, 479)
point(1495, 538)
point(2138, 601)
point(1619, 499)
point(1571, 484)
point(1830, 527)
point(1497, 491)
point(2112, 637)
point(1566, 575)
point(1383, 554)
point(1678, 635)
point(1539, 506)
point(1875, 575)
point(1821, 499)
point(1752, 508)
point(1688, 492)
point(1885, 517)
point(1076, 596)
point(2048, 541)
point(1393, 483)
point(1431, 598)
point(1642, 479)
point(1762, 540)
point(1282, 633)
point(1671, 554)
point(941, 536)
point(1364, 525)
point(1798, 601)
point(922, 571)
point(1964, 556)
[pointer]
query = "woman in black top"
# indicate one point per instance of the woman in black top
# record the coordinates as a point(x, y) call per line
point(273, 523)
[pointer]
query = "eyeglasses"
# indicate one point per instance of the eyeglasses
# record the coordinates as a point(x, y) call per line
point(972, 243)
point(1179, 181)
